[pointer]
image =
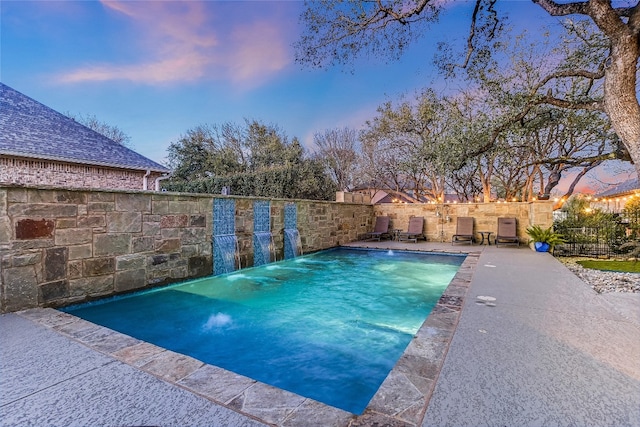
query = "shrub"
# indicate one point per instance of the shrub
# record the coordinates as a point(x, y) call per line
point(544, 235)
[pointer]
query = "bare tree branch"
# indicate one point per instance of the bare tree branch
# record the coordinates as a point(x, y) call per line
point(562, 9)
point(573, 161)
point(472, 33)
point(572, 105)
point(578, 177)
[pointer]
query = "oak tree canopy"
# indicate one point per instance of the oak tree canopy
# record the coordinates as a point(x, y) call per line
point(336, 32)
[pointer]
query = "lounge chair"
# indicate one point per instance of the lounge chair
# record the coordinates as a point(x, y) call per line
point(414, 231)
point(507, 231)
point(464, 230)
point(380, 230)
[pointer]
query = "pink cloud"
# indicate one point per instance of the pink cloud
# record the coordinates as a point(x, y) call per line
point(181, 68)
point(178, 41)
point(258, 50)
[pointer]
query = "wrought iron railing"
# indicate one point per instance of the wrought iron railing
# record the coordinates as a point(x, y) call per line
point(604, 241)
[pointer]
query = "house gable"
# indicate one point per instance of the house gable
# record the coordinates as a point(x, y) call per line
point(31, 130)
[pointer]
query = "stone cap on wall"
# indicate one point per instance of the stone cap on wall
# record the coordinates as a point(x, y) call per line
point(347, 197)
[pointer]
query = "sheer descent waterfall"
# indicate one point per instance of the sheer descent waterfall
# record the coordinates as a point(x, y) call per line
point(292, 241)
point(263, 247)
point(226, 254)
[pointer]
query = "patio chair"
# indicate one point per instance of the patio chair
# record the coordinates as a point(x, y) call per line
point(507, 231)
point(464, 230)
point(381, 229)
point(414, 231)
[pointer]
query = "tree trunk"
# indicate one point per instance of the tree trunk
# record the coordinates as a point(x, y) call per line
point(485, 180)
point(577, 179)
point(620, 99)
point(553, 180)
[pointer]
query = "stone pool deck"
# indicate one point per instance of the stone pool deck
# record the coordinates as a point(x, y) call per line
point(543, 350)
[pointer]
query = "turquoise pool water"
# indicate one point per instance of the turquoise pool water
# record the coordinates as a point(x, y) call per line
point(329, 326)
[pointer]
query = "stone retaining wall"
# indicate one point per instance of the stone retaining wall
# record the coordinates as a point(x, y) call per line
point(60, 246)
point(440, 220)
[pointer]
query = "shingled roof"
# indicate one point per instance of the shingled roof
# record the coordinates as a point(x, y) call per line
point(30, 129)
point(627, 187)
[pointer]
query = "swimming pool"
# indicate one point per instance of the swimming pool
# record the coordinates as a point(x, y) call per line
point(328, 326)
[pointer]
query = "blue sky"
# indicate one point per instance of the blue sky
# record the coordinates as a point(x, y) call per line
point(158, 68)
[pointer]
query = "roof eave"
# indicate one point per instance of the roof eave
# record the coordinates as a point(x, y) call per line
point(84, 162)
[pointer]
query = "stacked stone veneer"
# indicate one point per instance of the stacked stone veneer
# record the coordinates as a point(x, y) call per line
point(442, 227)
point(60, 246)
point(321, 225)
point(34, 172)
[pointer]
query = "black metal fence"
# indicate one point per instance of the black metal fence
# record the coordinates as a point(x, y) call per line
point(602, 241)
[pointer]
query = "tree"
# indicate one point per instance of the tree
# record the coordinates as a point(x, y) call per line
point(268, 146)
point(621, 27)
point(568, 140)
point(336, 32)
point(202, 152)
point(465, 183)
point(547, 141)
point(510, 172)
point(631, 212)
point(407, 146)
point(578, 213)
point(471, 127)
point(336, 149)
point(253, 159)
point(112, 132)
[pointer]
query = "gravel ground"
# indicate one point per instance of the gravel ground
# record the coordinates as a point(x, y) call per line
point(603, 281)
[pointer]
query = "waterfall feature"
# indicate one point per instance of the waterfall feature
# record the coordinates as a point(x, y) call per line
point(226, 254)
point(292, 241)
point(263, 247)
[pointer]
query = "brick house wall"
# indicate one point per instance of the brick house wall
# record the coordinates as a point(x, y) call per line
point(44, 172)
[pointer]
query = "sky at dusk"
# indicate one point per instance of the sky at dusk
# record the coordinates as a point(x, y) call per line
point(158, 68)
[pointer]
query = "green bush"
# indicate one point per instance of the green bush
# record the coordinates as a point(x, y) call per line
point(631, 213)
point(307, 182)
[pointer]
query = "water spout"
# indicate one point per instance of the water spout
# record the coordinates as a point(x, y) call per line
point(293, 243)
point(226, 254)
point(263, 248)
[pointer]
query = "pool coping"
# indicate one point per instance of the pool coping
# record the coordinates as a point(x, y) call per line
point(402, 399)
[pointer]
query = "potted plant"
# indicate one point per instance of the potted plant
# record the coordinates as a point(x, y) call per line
point(544, 239)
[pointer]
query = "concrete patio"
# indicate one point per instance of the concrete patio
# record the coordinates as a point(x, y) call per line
point(533, 346)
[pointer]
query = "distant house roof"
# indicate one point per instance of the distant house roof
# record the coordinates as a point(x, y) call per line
point(32, 130)
point(390, 196)
point(623, 189)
